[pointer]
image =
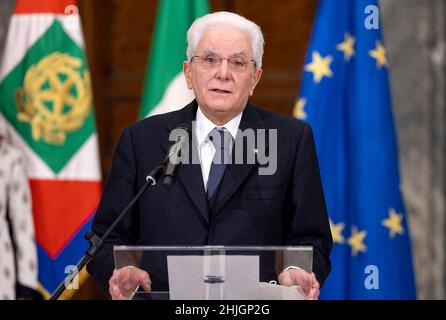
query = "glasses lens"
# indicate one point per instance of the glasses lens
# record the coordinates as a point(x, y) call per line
point(211, 60)
point(235, 63)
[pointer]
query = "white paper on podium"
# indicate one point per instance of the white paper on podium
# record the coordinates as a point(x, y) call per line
point(270, 291)
point(240, 273)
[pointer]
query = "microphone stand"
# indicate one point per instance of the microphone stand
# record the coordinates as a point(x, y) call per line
point(95, 243)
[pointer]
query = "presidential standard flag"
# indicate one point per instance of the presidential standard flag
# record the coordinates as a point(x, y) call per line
point(345, 96)
point(165, 88)
point(46, 110)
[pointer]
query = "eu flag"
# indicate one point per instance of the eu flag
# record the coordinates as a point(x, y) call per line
point(345, 96)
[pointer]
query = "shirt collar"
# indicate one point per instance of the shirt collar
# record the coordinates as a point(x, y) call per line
point(204, 126)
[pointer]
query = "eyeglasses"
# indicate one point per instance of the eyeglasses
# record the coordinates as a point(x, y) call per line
point(235, 63)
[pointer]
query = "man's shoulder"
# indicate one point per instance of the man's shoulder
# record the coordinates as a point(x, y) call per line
point(157, 122)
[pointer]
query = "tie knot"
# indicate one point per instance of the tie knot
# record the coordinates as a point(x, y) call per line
point(221, 138)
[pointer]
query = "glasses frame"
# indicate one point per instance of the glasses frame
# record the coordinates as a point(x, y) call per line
point(220, 59)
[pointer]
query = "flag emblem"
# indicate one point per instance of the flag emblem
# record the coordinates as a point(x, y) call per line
point(51, 106)
point(47, 102)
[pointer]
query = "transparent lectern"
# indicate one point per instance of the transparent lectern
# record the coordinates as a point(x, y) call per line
point(215, 272)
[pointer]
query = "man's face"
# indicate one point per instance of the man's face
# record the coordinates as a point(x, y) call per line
point(222, 91)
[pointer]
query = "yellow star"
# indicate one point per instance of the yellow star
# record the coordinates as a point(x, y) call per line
point(336, 232)
point(356, 241)
point(319, 66)
point(347, 46)
point(298, 111)
point(393, 222)
point(379, 53)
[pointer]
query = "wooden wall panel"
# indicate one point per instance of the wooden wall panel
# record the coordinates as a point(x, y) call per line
point(286, 25)
point(118, 37)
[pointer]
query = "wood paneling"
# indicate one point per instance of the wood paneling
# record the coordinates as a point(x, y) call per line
point(118, 36)
point(286, 25)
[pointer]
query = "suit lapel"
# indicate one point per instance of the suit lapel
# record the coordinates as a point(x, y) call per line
point(190, 175)
point(234, 175)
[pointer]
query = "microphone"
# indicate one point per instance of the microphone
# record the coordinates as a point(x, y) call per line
point(174, 157)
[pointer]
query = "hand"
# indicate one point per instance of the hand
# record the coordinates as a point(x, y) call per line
point(124, 282)
point(300, 277)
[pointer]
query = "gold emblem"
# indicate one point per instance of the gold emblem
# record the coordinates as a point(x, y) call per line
point(55, 98)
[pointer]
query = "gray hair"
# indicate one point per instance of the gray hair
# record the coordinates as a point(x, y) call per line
point(197, 29)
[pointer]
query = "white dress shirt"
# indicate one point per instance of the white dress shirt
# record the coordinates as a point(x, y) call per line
point(206, 148)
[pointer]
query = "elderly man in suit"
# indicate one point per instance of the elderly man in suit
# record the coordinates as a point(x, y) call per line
point(211, 204)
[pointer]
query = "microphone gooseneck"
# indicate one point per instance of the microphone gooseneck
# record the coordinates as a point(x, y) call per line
point(175, 154)
point(166, 173)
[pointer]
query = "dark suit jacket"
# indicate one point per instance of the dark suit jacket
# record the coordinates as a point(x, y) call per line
point(286, 208)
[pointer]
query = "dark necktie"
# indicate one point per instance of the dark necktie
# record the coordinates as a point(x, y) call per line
point(222, 141)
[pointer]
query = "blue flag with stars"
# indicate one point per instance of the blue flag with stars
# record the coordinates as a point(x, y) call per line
point(345, 96)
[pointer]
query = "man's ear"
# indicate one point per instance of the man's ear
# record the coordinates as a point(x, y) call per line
point(255, 79)
point(187, 73)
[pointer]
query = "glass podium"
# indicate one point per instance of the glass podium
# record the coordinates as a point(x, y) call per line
point(215, 272)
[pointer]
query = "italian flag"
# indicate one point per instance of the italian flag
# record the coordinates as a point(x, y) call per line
point(46, 110)
point(165, 87)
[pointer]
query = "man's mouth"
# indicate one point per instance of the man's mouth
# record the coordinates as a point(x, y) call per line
point(222, 91)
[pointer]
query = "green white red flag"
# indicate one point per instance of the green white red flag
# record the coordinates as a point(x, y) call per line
point(165, 88)
point(46, 110)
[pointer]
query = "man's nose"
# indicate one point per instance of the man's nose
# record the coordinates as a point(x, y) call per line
point(223, 70)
